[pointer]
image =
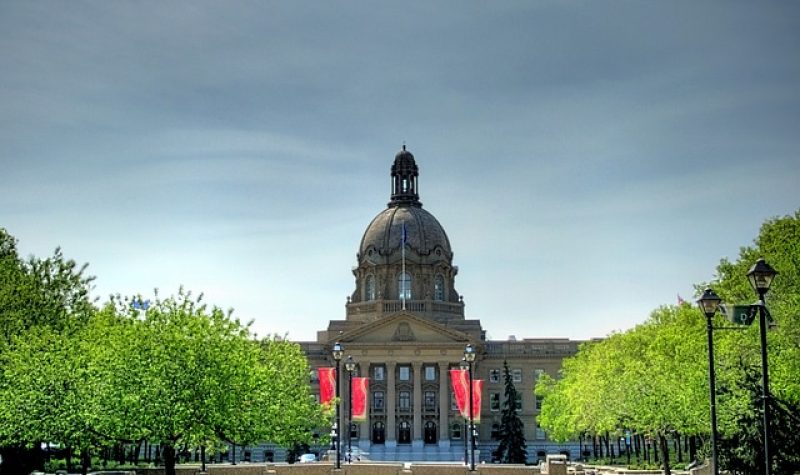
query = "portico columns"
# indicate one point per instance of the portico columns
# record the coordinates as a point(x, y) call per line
point(444, 404)
point(391, 403)
point(416, 439)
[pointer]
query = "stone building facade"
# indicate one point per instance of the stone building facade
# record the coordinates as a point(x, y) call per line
point(405, 327)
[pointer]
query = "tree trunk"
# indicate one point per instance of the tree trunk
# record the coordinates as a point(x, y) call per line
point(693, 447)
point(595, 451)
point(680, 448)
point(169, 459)
point(665, 453)
point(654, 448)
point(69, 459)
point(609, 453)
point(86, 461)
point(637, 447)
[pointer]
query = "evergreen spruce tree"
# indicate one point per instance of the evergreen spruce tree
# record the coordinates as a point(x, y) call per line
point(512, 431)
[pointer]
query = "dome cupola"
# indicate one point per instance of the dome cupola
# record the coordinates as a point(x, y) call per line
point(404, 180)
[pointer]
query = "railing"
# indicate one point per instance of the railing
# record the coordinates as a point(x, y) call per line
point(379, 307)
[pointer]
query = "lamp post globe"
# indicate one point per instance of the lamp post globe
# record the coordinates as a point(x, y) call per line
point(761, 276)
point(709, 303)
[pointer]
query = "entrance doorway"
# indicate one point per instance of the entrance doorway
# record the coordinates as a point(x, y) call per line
point(430, 432)
point(404, 435)
point(378, 433)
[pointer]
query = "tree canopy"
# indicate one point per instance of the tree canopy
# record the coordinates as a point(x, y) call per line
point(180, 373)
point(653, 378)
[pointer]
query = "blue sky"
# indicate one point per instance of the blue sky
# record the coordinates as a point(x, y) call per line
point(589, 160)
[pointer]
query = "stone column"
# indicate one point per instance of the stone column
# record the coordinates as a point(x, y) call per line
point(390, 402)
point(444, 404)
point(416, 440)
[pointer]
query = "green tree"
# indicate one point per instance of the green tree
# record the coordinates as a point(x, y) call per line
point(42, 303)
point(739, 353)
point(188, 374)
point(512, 431)
point(653, 379)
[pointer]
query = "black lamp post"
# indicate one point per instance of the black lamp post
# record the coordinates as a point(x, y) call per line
point(760, 277)
point(464, 366)
point(709, 303)
point(337, 355)
point(350, 366)
point(469, 356)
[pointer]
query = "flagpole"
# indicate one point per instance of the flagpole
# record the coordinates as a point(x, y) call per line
point(403, 276)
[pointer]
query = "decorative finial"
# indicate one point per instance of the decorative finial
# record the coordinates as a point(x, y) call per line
point(404, 144)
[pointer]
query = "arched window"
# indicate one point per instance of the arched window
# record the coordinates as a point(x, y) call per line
point(438, 287)
point(404, 286)
point(370, 288)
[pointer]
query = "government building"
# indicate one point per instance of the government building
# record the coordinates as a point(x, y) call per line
point(405, 328)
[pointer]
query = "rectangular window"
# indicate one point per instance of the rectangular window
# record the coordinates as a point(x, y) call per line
point(537, 373)
point(518, 402)
point(455, 431)
point(494, 402)
point(405, 373)
point(430, 373)
point(405, 400)
point(494, 375)
point(377, 400)
point(430, 400)
point(377, 373)
point(314, 376)
point(538, 403)
point(540, 434)
point(516, 375)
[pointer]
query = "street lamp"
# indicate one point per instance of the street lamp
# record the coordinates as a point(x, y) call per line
point(464, 366)
point(760, 277)
point(469, 356)
point(709, 303)
point(337, 355)
point(350, 366)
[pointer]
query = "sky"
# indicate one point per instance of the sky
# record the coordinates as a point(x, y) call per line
point(590, 161)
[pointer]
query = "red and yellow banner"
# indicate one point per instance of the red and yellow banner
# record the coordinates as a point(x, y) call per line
point(477, 389)
point(459, 378)
point(327, 385)
point(358, 399)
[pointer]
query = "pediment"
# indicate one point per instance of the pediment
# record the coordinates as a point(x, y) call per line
point(403, 327)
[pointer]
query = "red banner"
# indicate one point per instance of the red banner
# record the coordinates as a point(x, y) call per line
point(358, 400)
point(327, 385)
point(460, 381)
point(459, 378)
point(477, 389)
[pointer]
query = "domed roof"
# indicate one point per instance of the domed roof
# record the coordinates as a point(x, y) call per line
point(424, 233)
